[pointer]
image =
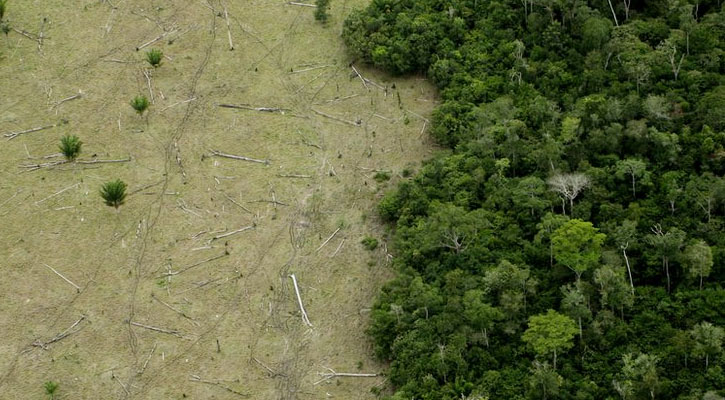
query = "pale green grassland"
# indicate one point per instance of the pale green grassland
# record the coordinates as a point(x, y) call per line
point(181, 197)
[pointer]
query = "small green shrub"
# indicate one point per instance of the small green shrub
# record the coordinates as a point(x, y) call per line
point(50, 389)
point(5, 28)
point(406, 173)
point(114, 193)
point(70, 146)
point(154, 57)
point(140, 104)
point(3, 7)
point(370, 243)
point(321, 10)
point(382, 176)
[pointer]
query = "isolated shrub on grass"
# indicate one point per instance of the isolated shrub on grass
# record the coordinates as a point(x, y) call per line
point(370, 243)
point(140, 104)
point(3, 7)
point(154, 57)
point(70, 146)
point(50, 389)
point(114, 193)
point(321, 10)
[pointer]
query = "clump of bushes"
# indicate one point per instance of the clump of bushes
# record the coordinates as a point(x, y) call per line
point(370, 243)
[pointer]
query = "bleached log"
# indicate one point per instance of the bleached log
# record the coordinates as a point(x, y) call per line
point(294, 3)
point(333, 374)
point(328, 239)
point(235, 157)
point(240, 230)
point(173, 332)
point(356, 123)
point(261, 109)
point(78, 289)
point(305, 319)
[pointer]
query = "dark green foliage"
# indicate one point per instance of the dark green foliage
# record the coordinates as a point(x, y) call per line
point(382, 176)
point(70, 146)
point(321, 10)
point(114, 193)
point(50, 389)
point(581, 151)
point(5, 28)
point(3, 8)
point(370, 243)
point(140, 104)
point(154, 57)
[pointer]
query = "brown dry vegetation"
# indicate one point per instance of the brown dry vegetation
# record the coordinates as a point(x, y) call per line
point(181, 197)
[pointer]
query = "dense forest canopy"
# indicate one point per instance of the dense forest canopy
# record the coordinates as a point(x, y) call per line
point(570, 243)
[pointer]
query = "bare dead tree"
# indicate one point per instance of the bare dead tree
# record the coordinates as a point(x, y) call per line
point(568, 186)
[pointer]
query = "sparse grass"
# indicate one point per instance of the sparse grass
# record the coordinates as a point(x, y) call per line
point(140, 104)
point(154, 57)
point(70, 146)
point(114, 193)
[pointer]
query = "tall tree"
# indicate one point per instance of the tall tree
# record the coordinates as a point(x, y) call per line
point(668, 245)
point(625, 235)
point(480, 315)
point(640, 373)
point(613, 288)
point(698, 259)
point(575, 305)
point(635, 169)
point(578, 246)
point(708, 340)
point(550, 334)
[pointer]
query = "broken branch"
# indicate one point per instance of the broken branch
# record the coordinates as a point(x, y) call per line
point(261, 109)
point(173, 332)
point(60, 336)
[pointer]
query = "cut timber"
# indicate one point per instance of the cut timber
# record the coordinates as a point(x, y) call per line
point(332, 374)
point(195, 265)
point(240, 230)
point(148, 358)
point(103, 161)
point(299, 301)
point(74, 97)
point(149, 43)
point(57, 193)
point(293, 176)
point(359, 76)
point(357, 123)
point(235, 157)
point(13, 135)
point(78, 289)
point(173, 332)
point(248, 107)
point(196, 378)
point(60, 336)
point(294, 3)
point(328, 239)
point(229, 29)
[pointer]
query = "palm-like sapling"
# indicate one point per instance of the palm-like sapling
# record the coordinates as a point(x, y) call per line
point(50, 389)
point(70, 146)
point(114, 193)
point(154, 57)
point(140, 104)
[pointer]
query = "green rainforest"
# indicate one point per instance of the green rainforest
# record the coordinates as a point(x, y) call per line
point(568, 241)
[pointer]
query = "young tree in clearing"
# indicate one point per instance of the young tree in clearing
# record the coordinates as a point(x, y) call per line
point(321, 10)
point(550, 334)
point(70, 146)
point(114, 193)
point(568, 186)
point(698, 259)
point(708, 340)
point(578, 246)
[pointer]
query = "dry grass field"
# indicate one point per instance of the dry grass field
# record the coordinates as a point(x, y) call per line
point(172, 303)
